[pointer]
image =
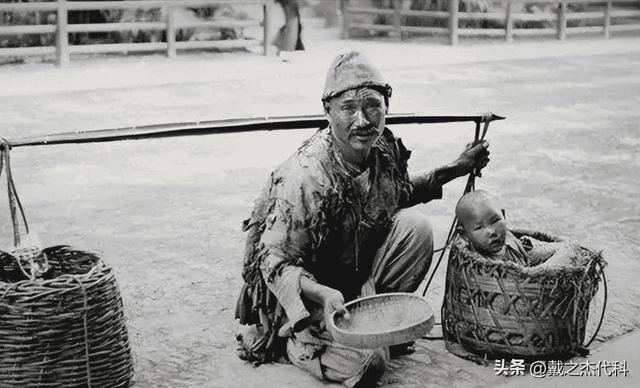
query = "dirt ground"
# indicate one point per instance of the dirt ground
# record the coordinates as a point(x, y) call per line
point(166, 214)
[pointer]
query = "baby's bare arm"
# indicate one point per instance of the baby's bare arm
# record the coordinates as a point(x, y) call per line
point(552, 253)
point(542, 251)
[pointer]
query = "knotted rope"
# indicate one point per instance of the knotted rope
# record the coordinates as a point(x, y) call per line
point(470, 186)
point(85, 312)
point(31, 257)
point(5, 163)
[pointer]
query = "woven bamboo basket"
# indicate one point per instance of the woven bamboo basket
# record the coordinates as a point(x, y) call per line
point(382, 320)
point(496, 309)
point(65, 328)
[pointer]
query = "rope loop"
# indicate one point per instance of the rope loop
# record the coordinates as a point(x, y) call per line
point(604, 303)
point(32, 261)
point(486, 118)
point(85, 313)
point(14, 200)
point(5, 144)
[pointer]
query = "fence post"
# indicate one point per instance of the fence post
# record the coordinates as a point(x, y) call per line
point(171, 33)
point(397, 22)
point(508, 25)
point(346, 19)
point(266, 18)
point(62, 37)
point(453, 22)
point(607, 20)
point(562, 20)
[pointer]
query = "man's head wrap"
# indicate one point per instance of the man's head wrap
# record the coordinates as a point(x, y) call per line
point(352, 71)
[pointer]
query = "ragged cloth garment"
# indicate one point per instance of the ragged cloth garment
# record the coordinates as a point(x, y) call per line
point(322, 218)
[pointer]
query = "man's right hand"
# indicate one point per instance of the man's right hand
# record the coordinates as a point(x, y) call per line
point(333, 302)
point(329, 298)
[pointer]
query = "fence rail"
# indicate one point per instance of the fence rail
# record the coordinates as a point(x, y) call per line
point(509, 18)
point(62, 28)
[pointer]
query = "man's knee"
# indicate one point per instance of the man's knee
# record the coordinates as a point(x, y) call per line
point(405, 257)
point(416, 226)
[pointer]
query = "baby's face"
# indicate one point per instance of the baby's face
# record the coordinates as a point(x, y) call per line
point(484, 227)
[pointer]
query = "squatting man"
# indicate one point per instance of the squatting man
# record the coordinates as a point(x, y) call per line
point(335, 222)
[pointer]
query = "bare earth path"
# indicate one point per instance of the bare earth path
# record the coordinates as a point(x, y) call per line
point(166, 214)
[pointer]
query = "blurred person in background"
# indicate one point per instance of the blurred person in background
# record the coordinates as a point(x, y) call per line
point(289, 37)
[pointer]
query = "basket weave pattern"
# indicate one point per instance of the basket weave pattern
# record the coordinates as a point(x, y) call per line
point(66, 329)
point(495, 308)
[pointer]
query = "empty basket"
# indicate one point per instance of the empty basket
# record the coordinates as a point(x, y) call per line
point(65, 328)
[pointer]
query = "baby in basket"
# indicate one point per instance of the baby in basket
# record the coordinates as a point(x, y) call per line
point(483, 225)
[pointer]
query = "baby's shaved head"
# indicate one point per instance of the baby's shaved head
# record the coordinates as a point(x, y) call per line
point(470, 200)
point(481, 222)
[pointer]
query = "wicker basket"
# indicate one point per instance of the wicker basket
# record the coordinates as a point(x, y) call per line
point(496, 309)
point(65, 329)
point(383, 320)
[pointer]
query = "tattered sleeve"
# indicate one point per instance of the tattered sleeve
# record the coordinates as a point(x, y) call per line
point(286, 240)
point(424, 187)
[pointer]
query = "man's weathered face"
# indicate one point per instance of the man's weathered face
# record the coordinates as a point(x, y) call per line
point(357, 119)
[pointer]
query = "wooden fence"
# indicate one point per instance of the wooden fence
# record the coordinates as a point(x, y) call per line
point(61, 29)
point(507, 18)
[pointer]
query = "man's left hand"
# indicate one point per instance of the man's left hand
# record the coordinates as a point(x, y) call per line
point(474, 157)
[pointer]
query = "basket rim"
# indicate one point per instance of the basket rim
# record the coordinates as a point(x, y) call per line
point(99, 267)
point(465, 247)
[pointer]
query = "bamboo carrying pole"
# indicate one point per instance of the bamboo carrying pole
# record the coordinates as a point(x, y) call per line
point(226, 126)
